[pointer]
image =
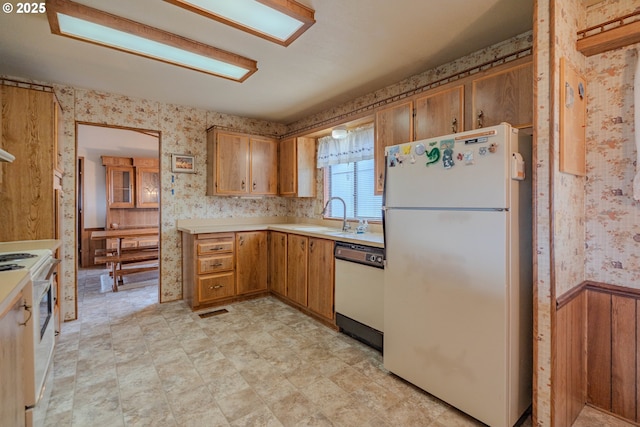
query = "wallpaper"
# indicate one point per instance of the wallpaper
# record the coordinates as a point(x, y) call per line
point(183, 131)
point(542, 215)
point(613, 216)
point(568, 190)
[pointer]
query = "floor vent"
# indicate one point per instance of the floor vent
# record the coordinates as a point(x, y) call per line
point(213, 313)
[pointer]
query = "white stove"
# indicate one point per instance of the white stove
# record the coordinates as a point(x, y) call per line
point(39, 333)
point(31, 259)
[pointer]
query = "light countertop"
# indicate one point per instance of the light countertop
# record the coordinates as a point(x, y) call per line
point(12, 282)
point(307, 229)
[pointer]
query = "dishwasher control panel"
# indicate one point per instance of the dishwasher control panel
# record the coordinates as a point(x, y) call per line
point(367, 255)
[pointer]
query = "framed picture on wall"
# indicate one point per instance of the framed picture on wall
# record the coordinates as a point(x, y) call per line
point(183, 163)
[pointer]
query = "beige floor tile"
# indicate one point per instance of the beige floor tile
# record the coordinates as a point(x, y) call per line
point(237, 405)
point(294, 408)
point(129, 361)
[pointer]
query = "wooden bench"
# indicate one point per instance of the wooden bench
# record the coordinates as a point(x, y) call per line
point(129, 262)
point(101, 253)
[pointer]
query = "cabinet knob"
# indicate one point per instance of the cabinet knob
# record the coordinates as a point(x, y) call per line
point(481, 119)
point(243, 184)
point(254, 185)
point(454, 125)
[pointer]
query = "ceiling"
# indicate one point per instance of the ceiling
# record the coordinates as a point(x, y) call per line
point(355, 47)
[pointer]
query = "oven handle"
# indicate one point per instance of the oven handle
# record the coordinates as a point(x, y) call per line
point(52, 267)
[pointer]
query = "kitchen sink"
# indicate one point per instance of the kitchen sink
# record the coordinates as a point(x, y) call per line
point(309, 228)
point(342, 234)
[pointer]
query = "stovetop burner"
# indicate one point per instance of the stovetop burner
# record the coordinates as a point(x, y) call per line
point(16, 256)
point(9, 267)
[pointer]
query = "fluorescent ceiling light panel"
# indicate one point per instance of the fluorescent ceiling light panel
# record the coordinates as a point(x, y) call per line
point(280, 21)
point(84, 23)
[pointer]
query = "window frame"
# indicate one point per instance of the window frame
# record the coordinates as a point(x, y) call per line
point(326, 190)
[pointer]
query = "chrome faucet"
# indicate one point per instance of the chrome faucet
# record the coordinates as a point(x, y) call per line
point(345, 226)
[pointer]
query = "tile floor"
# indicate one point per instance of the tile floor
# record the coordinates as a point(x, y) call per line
point(129, 361)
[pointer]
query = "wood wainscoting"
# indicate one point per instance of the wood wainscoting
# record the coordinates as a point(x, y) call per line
point(597, 352)
point(570, 364)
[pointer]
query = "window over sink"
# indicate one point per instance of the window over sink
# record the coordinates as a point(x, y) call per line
point(349, 174)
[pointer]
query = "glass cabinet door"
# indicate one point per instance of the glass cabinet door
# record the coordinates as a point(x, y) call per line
point(120, 182)
point(148, 188)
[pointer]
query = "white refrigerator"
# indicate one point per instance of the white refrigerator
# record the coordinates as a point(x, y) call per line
point(458, 272)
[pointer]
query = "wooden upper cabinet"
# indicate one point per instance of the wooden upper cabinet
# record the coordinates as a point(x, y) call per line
point(251, 262)
point(439, 113)
point(241, 164)
point(120, 187)
point(394, 125)
point(229, 157)
point(147, 188)
point(27, 199)
point(263, 161)
point(504, 96)
point(296, 172)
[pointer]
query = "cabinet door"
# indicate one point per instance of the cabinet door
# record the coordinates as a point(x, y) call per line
point(321, 277)
point(147, 187)
point(505, 96)
point(231, 164)
point(297, 167)
point(440, 113)
point(120, 187)
point(12, 410)
point(287, 173)
point(394, 125)
point(251, 262)
point(264, 166)
point(27, 198)
point(297, 252)
point(278, 262)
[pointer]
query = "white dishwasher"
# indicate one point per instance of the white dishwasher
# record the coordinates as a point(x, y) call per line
point(359, 292)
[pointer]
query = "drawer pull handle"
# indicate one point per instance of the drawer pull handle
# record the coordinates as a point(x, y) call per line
point(218, 248)
point(217, 265)
point(212, 287)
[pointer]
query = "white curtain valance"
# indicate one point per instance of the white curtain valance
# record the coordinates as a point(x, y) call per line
point(358, 145)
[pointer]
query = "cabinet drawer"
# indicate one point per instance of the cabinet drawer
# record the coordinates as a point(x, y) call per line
point(215, 263)
point(215, 246)
point(216, 286)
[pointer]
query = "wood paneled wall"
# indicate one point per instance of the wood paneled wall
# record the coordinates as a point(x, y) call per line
point(570, 363)
point(612, 349)
point(597, 358)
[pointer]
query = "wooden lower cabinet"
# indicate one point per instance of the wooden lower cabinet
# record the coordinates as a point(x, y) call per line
point(297, 268)
point(302, 271)
point(12, 409)
point(216, 286)
point(321, 277)
point(251, 262)
point(278, 263)
point(218, 268)
point(208, 274)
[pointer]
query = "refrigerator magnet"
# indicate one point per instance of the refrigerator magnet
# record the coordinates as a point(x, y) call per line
point(419, 149)
point(392, 156)
point(433, 156)
point(468, 157)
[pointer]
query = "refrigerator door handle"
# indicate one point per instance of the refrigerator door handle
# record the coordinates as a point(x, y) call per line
point(384, 207)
